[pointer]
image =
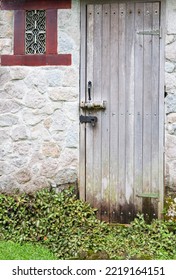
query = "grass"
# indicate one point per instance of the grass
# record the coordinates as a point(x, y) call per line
point(14, 251)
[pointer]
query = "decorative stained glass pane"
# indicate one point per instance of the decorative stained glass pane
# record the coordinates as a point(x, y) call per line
point(35, 34)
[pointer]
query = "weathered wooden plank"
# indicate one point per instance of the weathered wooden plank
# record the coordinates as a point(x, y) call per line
point(82, 147)
point(122, 110)
point(114, 118)
point(139, 77)
point(105, 115)
point(161, 109)
point(97, 73)
point(147, 107)
point(89, 128)
point(129, 47)
point(155, 106)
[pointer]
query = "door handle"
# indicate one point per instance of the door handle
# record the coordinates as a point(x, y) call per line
point(89, 90)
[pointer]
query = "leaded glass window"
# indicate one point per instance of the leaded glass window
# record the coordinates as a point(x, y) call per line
point(35, 32)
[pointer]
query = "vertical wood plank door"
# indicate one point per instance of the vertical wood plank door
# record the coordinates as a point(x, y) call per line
point(122, 166)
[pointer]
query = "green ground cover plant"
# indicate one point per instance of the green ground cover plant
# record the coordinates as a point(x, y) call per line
point(69, 228)
point(14, 251)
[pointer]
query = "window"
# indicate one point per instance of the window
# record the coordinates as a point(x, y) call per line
point(35, 33)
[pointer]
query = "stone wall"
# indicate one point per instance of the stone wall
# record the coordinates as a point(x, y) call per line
point(39, 127)
point(170, 100)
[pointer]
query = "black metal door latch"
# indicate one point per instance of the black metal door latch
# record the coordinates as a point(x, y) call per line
point(88, 119)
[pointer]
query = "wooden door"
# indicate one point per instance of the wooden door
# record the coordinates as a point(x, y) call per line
point(121, 170)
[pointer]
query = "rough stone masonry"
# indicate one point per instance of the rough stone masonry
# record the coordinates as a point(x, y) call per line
point(170, 100)
point(39, 128)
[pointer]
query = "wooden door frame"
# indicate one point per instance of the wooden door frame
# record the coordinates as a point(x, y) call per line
point(82, 146)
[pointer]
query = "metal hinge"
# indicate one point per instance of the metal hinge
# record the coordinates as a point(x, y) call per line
point(157, 32)
point(148, 195)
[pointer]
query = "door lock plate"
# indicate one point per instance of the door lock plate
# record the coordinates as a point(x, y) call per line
point(88, 119)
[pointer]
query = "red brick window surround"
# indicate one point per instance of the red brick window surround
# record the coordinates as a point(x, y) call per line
point(51, 57)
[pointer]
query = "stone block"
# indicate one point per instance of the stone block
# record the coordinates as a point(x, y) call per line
point(6, 24)
point(60, 121)
point(169, 67)
point(170, 16)
point(170, 51)
point(35, 169)
point(170, 82)
point(65, 43)
point(72, 137)
point(172, 129)
point(4, 76)
point(169, 39)
point(170, 150)
point(46, 110)
point(35, 184)
point(23, 176)
point(48, 122)
point(71, 78)
point(19, 72)
point(6, 168)
point(170, 176)
point(6, 46)
point(30, 118)
point(15, 89)
point(40, 132)
point(19, 161)
point(59, 137)
point(54, 77)
point(66, 175)
point(171, 118)
point(22, 148)
point(9, 106)
point(63, 94)
point(69, 157)
point(7, 120)
point(19, 133)
point(49, 168)
point(4, 135)
point(170, 102)
point(6, 17)
point(6, 149)
point(71, 111)
point(51, 149)
point(34, 100)
point(69, 21)
point(37, 80)
point(64, 18)
point(8, 184)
